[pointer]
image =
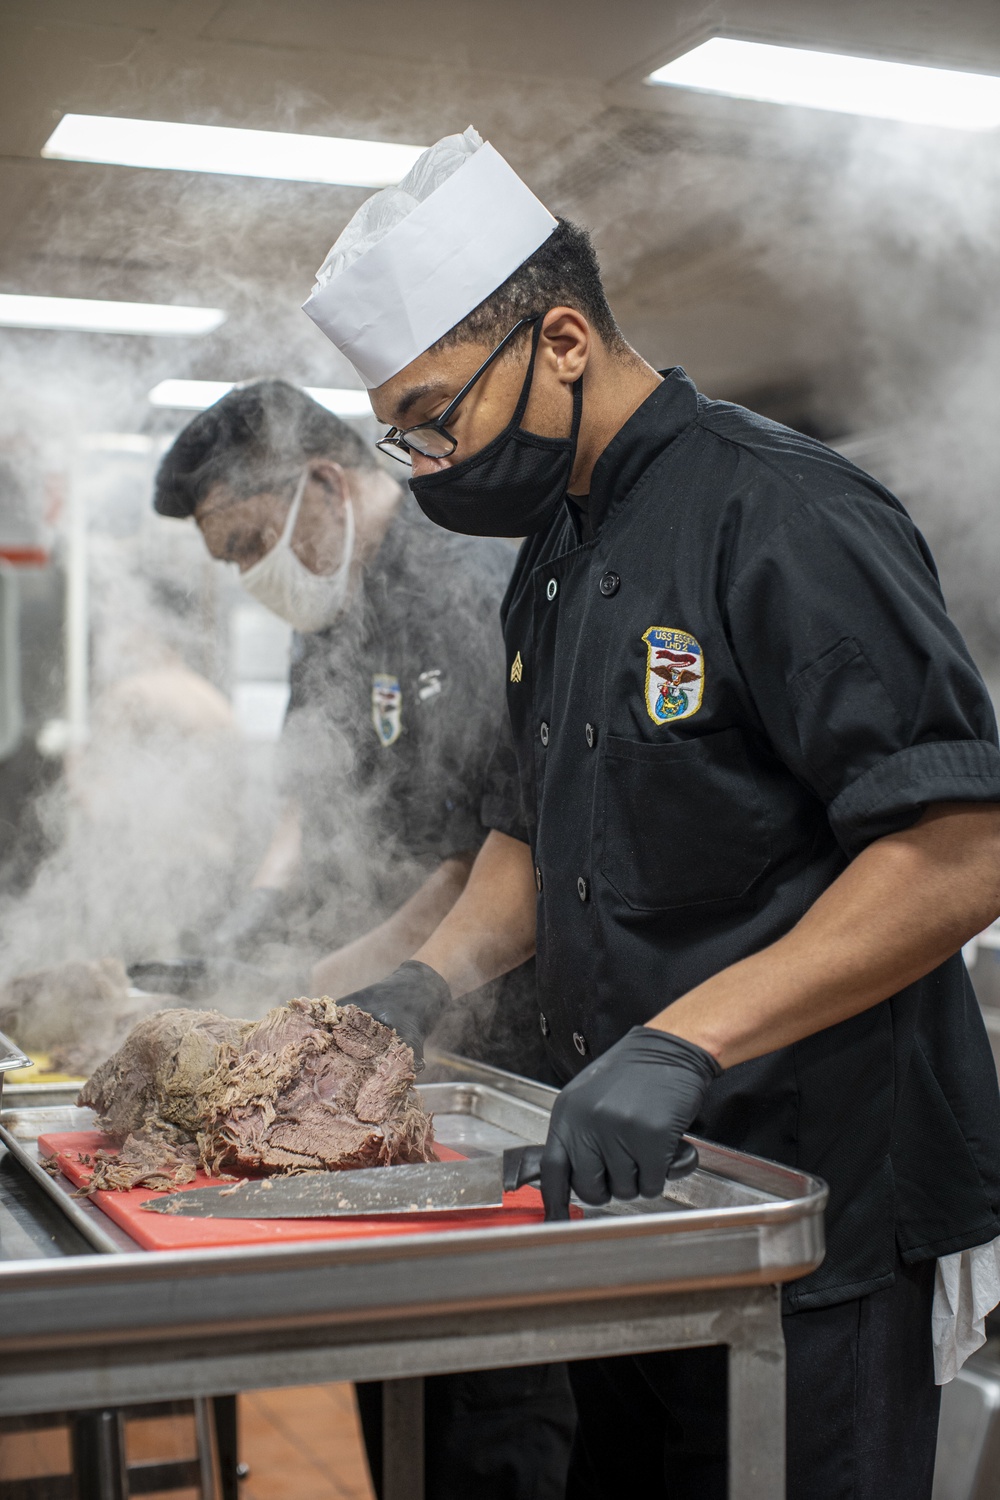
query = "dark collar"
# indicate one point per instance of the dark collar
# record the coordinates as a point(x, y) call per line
point(663, 416)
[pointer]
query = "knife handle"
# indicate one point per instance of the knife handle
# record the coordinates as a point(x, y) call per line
point(522, 1165)
point(684, 1163)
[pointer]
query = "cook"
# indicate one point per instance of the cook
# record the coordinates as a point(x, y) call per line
point(745, 812)
point(395, 700)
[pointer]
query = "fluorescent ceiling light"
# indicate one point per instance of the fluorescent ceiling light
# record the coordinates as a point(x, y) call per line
point(172, 146)
point(195, 395)
point(832, 80)
point(84, 315)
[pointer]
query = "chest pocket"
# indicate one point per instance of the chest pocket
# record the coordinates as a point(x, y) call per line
point(684, 823)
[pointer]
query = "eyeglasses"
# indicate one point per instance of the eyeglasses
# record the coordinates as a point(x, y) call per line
point(433, 439)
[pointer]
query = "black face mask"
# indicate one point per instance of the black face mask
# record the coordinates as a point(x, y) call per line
point(513, 486)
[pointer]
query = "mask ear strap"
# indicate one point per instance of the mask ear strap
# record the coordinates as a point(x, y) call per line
point(350, 536)
point(574, 431)
point(522, 400)
point(293, 510)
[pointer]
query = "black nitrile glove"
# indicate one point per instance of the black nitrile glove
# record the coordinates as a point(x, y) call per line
point(410, 1000)
point(617, 1127)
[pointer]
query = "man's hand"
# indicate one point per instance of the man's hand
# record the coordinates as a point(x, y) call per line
point(616, 1128)
point(410, 1001)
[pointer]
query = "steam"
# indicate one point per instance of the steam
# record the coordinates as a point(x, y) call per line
point(839, 274)
point(154, 818)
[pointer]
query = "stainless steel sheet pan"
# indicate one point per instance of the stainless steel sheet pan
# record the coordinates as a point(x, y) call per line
point(701, 1266)
point(474, 1117)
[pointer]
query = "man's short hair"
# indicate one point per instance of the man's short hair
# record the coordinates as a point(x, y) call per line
point(563, 272)
point(255, 439)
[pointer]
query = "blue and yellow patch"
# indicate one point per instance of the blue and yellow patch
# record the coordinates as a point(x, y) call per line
point(387, 708)
point(675, 674)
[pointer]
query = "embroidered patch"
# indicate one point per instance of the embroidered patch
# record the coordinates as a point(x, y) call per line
point(387, 708)
point(675, 674)
point(517, 668)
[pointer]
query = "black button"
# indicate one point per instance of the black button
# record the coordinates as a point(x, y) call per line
point(552, 589)
point(544, 1024)
point(538, 878)
point(543, 733)
point(580, 1043)
point(610, 584)
point(582, 889)
point(591, 734)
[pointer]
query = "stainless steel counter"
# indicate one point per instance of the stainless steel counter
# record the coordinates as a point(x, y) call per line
point(703, 1266)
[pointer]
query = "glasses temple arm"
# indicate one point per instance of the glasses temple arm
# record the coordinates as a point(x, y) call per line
point(467, 387)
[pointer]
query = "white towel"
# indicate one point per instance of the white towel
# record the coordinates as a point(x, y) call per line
point(966, 1288)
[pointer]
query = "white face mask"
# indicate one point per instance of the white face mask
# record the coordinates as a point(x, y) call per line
point(281, 581)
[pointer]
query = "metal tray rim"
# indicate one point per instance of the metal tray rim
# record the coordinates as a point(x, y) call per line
point(425, 1241)
point(248, 1259)
point(63, 1198)
point(785, 1184)
point(11, 1056)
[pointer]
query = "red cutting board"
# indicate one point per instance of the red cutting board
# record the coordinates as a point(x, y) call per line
point(160, 1232)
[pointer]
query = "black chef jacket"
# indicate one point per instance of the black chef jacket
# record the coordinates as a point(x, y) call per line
point(740, 676)
point(392, 718)
point(393, 712)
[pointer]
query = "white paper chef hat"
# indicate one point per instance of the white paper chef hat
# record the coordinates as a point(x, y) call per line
point(416, 258)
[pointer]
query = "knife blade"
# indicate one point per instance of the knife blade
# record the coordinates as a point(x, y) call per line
point(427, 1187)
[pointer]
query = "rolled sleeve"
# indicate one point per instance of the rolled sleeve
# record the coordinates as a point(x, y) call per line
point(864, 686)
point(893, 793)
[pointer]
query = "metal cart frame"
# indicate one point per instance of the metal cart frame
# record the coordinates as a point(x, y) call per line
point(102, 1330)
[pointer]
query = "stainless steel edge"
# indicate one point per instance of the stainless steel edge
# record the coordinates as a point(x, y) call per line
point(37, 1095)
point(535, 1102)
point(27, 1124)
point(702, 1268)
point(151, 1295)
point(424, 1243)
point(527, 1120)
point(728, 1182)
point(152, 1306)
point(768, 1229)
point(745, 1317)
point(11, 1056)
point(61, 1192)
point(453, 1067)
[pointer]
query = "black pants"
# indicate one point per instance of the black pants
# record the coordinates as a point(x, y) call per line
point(490, 1435)
point(862, 1409)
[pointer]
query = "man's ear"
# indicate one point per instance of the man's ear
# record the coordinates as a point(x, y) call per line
point(566, 339)
point(325, 472)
